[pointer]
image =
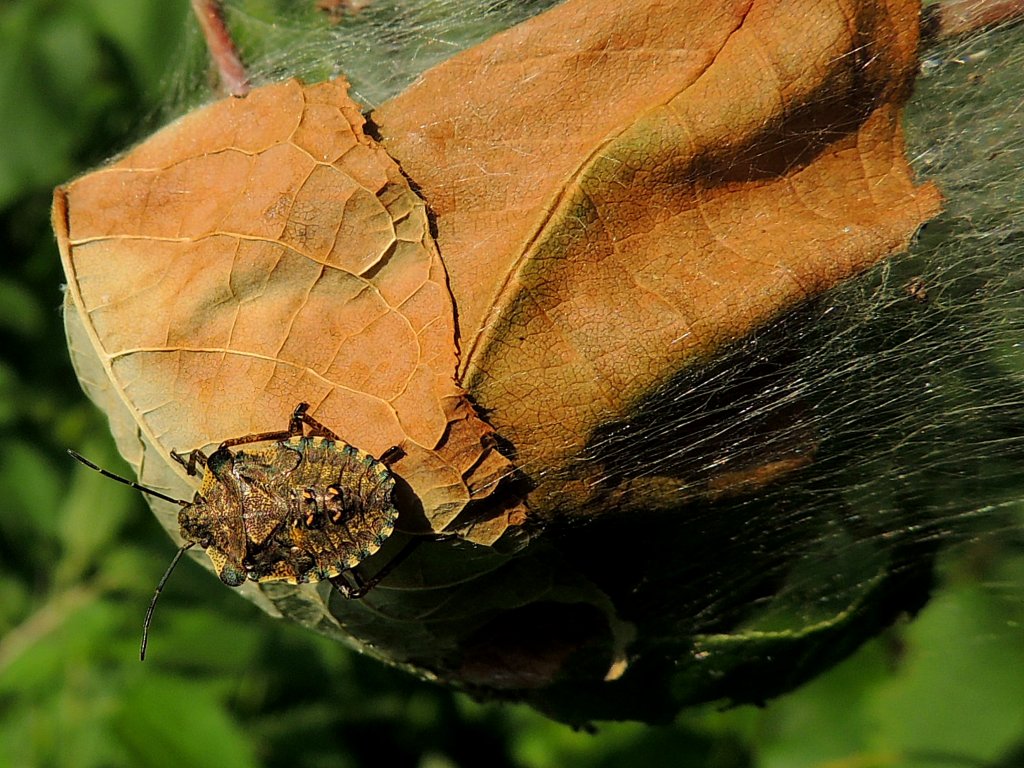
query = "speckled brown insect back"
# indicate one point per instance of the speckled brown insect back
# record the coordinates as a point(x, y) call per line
point(297, 507)
point(304, 508)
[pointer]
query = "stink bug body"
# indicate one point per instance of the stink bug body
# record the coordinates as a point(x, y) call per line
point(304, 508)
point(297, 506)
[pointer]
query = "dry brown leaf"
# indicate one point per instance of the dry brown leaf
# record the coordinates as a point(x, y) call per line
point(621, 189)
point(261, 252)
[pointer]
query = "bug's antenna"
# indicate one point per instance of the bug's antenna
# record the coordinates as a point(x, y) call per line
point(156, 596)
point(127, 482)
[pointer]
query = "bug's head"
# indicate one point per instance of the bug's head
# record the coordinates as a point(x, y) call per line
point(205, 523)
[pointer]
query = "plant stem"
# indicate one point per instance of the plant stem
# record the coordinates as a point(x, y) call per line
point(951, 18)
point(234, 80)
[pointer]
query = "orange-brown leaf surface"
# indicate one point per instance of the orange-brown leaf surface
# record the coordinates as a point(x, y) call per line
point(620, 189)
point(257, 253)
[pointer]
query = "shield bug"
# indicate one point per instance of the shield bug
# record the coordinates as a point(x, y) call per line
point(297, 506)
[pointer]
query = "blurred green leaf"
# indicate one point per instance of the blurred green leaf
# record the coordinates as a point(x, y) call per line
point(942, 690)
point(183, 637)
point(21, 313)
point(9, 395)
point(147, 34)
point(92, 513)
point(33, 490)
point(34, 654)
point(169, 724)
point(65, 66)
point(35, 138)
point(959, 693)
point(825, 720)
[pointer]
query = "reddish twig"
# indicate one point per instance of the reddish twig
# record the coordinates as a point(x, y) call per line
point(338, 9)
point(233, 77)
point(951, 18)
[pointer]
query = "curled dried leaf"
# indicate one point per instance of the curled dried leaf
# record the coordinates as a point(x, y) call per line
point(650, 182)
point(262, 252)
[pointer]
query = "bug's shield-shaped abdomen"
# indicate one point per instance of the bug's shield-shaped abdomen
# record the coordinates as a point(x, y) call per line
point(300, 510)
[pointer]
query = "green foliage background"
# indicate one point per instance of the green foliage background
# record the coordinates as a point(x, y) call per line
point(228, 686)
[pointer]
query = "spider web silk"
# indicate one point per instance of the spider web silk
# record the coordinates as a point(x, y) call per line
point(907, 383)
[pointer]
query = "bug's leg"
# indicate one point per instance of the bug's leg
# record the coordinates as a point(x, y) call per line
point(358, 588)
point(189, 463)
point(259, 437)
point(349, 584)
point(294, 430)
point(296, 421)
point(282, 436)
point(300, 455)
point(316, 429)
point(391, 455)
